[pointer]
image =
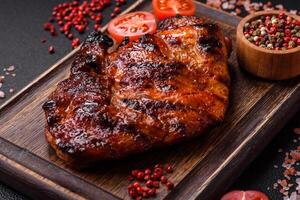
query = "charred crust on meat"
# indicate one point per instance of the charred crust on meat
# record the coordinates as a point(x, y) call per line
point(52, 119)
point(90, 106)
point(174, 41)
point(48, 105)
point(132, 104)
point(179, 21)
point(106, 121)
point(91, 60)
point(124, 127)
point(176, 126)
point(140, 74)
point(147, 43)
point(148, 106)
point(125, 41)
point(166, 87)
point(210, 27)
point(98, 36)
point(209, 44)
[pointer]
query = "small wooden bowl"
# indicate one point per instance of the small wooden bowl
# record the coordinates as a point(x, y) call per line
point(265, 63)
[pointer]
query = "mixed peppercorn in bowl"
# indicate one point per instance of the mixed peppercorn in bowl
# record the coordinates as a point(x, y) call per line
point(268, 44)
point(275, 32)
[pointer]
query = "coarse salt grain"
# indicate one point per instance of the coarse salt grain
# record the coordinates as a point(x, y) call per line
point(283, 185)
point(295, 155)
point(2, 94)
point(297, 131)
point(293, 196)
point(279, 7)
point(10, 68)
point(285, 193)
point(283, 182)
point(8, 71)
point(297, 181)
point(293, 12)
point(280, 150)
point(225, 5)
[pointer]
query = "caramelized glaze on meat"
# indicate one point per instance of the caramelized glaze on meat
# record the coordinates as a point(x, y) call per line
point(161, 89)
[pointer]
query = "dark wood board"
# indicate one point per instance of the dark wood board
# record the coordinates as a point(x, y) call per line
point(205, 167)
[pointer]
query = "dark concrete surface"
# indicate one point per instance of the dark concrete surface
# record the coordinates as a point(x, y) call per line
point(20, 33)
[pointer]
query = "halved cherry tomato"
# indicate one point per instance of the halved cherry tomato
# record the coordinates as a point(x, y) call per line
point(245, 195)
point(168, 8)
point(132, 25)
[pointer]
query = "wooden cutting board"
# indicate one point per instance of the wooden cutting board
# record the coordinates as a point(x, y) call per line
point(204, 167)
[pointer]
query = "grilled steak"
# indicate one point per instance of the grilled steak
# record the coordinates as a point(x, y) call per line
point(162, 89)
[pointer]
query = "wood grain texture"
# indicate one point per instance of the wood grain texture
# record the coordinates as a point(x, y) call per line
point(265, 63)
point(204, 166)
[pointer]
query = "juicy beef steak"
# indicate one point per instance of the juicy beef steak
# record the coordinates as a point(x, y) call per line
point(159, 90)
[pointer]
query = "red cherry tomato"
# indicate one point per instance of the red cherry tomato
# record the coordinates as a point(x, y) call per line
point(168, 8)
point(132, 25)
point(245, 195)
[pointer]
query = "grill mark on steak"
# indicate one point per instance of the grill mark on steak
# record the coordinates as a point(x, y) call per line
point(124, 42)
point(148, 106)
point(49, 105)
point(210, 27)
point(209, 43)
point(100, 38)
point(137, 73)
point(179, 21)
point(92, 54)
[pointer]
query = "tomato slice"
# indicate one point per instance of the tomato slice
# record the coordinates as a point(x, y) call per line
point(168, 8)
point(132, 25)
point(245, 195)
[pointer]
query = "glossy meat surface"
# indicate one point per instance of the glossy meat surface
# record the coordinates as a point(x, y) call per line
point(159, 90)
